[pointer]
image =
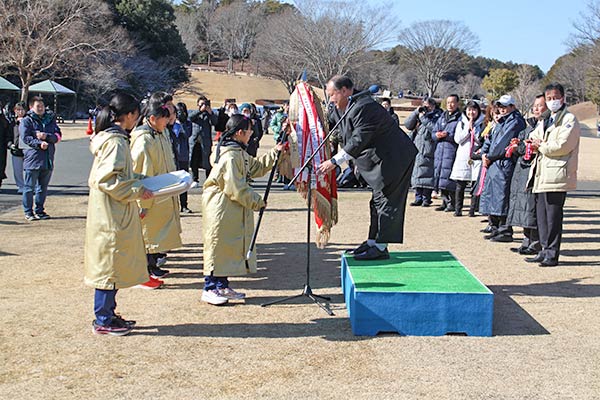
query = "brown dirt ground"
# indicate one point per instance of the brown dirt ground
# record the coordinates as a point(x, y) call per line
point(546, 321)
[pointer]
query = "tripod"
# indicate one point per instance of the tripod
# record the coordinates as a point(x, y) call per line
point(321, 301)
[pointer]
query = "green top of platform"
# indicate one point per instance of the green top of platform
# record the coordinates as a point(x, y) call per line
point(417, 271)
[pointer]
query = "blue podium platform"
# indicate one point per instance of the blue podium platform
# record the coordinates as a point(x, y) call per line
point(428, 293)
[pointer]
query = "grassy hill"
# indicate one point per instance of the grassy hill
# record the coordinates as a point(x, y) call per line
point(218, 86)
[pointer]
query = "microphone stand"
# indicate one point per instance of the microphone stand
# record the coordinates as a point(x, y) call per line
point(307, 290)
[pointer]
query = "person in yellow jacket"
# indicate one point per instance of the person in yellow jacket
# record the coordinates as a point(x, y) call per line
point(228, 202)
point(553, 172)
point(114, 246)
point(152, 155)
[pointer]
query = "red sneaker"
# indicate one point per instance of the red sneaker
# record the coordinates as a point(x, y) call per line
point(152, 284)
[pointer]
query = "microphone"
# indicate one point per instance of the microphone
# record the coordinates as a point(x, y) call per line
point(370, 91)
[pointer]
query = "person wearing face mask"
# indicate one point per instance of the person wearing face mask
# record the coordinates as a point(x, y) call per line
point(496, 192)
point(445, 153)
point(553, 172)
point(249, 111)
point(521, 206)
point(421, 121)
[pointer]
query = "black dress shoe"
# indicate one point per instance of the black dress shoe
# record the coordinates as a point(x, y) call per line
point(360, 249)
point(487, 229)
point(417, 203)
point(372, 253)
point(548, 262)
point(502, 238)
point(440, 208)
point(426, 204)
point(518, 249)
point(527, 251)
point(450, 209)
point(537, 259)
point(458, 213)
point(493, 234)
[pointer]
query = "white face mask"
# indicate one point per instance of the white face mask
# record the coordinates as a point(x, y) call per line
point(554, 105)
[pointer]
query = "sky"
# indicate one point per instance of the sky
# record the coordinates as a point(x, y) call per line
point(508, 30)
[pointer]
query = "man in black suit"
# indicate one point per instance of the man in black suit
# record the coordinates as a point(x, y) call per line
point(384, 156)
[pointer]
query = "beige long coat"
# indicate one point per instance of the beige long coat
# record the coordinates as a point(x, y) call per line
point(228, 203)
point(152, 155)
point(554, 169)
point(115, 257)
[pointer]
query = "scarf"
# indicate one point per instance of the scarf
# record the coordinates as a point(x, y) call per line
point(306, 116)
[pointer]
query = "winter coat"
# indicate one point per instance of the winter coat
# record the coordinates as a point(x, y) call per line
point(521, 205)
point(554, 168)
point(35, 157)
point(152, 155)
point(496, 192)
point(464, 167)
point(257, 134)
point(228, 203)
point(180, 138)
point(115, 257)
point(13, 143)
point(445, 150)
point(5, 138)
point(202, 123)
point(423, 171)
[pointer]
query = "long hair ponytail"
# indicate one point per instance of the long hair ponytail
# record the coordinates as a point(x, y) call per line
point(120, 105)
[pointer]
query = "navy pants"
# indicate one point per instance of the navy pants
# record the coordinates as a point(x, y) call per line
point(423, 195)
point(215, 282)
point(104, 306)
point(36, 180)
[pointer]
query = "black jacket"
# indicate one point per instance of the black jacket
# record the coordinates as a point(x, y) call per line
point(382, 151)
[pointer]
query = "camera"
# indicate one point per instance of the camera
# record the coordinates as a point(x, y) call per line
point(207, 103)
point(422, 109)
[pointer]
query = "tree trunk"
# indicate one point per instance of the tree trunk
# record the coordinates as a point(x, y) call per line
point(242, 67)
point(209, 59)
point(26, 78)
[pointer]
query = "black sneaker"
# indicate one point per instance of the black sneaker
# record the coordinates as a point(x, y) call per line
point(31, 217)
point(43, 216)
point(127, 322)
point(158, 272)
point(116, 328)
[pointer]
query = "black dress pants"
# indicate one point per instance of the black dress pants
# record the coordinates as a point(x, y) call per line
point(549, 213)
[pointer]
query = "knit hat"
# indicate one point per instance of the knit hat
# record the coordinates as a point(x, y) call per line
point(245, 105)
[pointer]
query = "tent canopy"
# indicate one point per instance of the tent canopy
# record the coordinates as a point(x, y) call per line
point(6, 85)
point(49, 86)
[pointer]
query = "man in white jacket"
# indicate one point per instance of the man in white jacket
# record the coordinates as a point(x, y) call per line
point(553, 172)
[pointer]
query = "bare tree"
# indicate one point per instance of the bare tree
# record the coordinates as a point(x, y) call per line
point(325, 38)
point(469, 86)
point(188, 25)
point(433, 49)
point(40, 37)
point(527, 88)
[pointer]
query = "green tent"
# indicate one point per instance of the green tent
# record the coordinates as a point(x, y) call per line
point(6, 85)
point(49, 86)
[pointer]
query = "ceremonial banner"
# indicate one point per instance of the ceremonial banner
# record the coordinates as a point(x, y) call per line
point(307, 133)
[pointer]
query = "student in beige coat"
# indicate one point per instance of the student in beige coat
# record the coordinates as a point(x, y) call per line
point(114, 246)
point(228, 203)
point(152, 155)
point(553, 172)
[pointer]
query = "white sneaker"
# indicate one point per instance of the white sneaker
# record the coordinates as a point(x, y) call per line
point(195, 185)
point(231, 294)
point(213, 297)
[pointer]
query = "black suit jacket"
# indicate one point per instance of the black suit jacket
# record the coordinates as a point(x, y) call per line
point(383, 152)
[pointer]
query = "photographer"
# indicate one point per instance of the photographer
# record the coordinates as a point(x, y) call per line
point(201, 140)
point(421, 122)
